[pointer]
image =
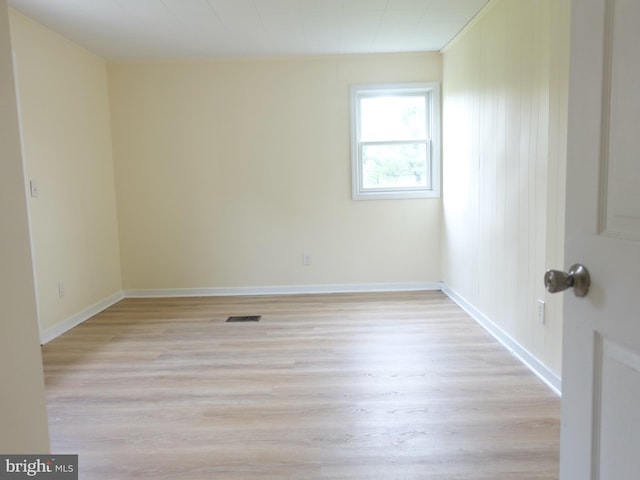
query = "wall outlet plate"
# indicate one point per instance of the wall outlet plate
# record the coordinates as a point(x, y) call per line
point(540, 311)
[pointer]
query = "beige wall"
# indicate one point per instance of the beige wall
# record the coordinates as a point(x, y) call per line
point(228, 171)
point(23, 418)
point(67, 148)
point(505, 101)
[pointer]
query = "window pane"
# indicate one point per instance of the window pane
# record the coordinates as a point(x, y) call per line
point(393, 118)
point(395, 166)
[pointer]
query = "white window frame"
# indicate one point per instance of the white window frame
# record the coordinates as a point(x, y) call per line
point(431, 90)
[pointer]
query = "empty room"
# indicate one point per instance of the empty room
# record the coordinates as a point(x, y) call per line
point(298, 239)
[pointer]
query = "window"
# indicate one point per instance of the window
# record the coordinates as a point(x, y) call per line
point(395, 141)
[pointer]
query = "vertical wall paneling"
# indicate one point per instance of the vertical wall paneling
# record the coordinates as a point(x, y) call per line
point(505, 94)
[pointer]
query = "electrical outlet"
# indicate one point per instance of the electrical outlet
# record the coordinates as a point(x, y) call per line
point(540, 305)
point(61, 289)
point(306, 259)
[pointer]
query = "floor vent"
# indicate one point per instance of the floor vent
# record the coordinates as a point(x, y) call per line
point(246, 318)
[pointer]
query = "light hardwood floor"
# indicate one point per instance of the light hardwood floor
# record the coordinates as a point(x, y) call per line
point(357, 386)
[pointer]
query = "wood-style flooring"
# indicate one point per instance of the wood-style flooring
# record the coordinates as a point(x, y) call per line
point(349, 386)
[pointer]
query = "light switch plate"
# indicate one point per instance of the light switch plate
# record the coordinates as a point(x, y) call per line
point(34, 188)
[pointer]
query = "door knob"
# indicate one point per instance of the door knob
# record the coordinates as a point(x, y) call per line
point(577, 277)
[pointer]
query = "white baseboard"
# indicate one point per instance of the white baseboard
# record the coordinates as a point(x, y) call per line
point(53, 332)
point(530, 361)
point(284, 290)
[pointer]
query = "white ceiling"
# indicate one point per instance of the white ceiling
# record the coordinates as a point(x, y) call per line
point(176, 29)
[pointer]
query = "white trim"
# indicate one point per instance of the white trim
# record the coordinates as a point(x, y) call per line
point(431, 93)
point(59, 329)
point(284, 290)
point(553, 381)
point(476, 19)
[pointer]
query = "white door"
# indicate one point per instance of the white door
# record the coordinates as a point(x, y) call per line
point(601, 337)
